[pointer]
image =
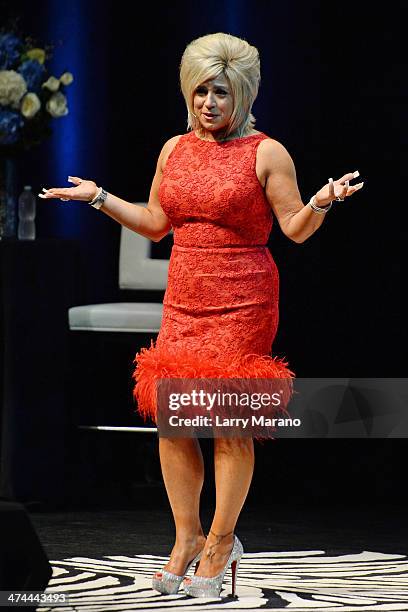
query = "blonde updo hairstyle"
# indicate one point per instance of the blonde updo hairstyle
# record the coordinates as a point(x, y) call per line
point(209, 56)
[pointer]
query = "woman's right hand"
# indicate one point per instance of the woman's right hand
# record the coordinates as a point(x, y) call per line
point(84, 191)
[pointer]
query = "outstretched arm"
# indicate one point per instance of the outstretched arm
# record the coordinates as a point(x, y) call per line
point(297, 220)
point(150, 221)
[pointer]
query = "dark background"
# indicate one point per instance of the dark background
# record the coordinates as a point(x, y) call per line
point(333, 91)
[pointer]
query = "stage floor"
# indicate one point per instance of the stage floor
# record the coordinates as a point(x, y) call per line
point(297, 558)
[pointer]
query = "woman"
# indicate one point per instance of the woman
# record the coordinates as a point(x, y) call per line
point(218, 186)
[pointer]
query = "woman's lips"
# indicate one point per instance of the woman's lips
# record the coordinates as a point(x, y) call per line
point(209, 115)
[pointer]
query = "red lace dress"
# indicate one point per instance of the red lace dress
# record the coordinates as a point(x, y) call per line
point(220, 308)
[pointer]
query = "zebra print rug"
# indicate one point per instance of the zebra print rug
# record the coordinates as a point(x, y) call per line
point(296, 581)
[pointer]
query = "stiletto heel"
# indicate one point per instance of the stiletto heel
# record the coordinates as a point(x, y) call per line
point(200, 586)
point(234, 576)
point(169, 583)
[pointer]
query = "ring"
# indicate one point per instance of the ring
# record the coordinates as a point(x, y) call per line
point(346, 185)
point(331, 191)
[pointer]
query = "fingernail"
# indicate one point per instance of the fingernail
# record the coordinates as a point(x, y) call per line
point(40, 195)
point(70, 180)
point(44, 189)
point(356, 174)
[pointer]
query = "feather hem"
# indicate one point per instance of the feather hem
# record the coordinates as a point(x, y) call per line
point(154, 363)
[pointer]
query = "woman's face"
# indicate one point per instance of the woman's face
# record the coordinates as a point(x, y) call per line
point(213, 104)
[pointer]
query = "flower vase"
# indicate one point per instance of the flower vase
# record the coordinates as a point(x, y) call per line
point(8, 197)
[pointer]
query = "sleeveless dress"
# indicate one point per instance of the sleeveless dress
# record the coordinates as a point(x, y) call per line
point(220, 308)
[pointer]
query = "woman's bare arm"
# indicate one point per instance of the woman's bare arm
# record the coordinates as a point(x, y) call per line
point(297, 220)
point(149, 221)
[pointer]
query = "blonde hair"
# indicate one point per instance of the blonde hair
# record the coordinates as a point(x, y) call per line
point(209, 56)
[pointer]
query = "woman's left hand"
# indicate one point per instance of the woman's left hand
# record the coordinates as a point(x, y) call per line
point(340, 188)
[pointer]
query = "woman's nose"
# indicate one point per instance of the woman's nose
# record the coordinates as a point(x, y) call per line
point(210, 100)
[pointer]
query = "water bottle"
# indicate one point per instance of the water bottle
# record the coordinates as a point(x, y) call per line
point(26, 214)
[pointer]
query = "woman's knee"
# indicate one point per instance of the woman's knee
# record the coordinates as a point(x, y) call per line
point(234, 446)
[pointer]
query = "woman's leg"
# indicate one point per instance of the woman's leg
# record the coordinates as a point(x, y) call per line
point(183, 474)
point(234, 466)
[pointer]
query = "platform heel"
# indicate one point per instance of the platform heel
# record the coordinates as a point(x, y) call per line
point(169, 583)
point(200, 586)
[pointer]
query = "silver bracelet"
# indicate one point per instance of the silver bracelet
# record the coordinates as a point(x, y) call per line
point(318, 209)
point(99, 199)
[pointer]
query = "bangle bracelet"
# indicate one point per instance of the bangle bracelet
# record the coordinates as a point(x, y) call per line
point(319, 209)
point(96, 197)
point(99, 199)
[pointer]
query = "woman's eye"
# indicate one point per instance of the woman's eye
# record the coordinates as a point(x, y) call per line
point(202, 91)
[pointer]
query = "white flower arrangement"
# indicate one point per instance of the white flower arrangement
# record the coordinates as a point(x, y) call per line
point(29, 97)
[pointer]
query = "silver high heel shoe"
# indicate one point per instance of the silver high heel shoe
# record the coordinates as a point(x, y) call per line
point(170, 583)
point(200, 586)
